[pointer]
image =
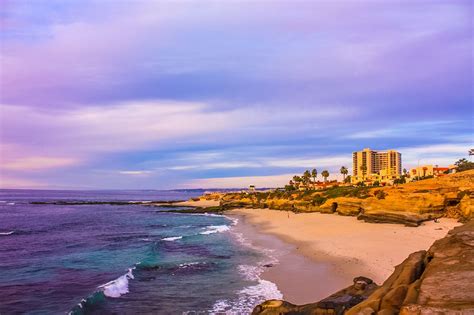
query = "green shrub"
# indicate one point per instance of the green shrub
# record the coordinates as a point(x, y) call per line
point(290, 188)
point(318, 200)
point(464, 165)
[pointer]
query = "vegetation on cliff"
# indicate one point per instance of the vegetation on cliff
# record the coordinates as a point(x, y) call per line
point(409, 204)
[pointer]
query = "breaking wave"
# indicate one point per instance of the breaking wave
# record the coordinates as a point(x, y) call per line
point(119, 286)
point(215, 229)
point(172, 238)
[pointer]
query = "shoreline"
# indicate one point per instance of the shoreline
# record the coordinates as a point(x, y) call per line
point(320, 254)
point(289, 270)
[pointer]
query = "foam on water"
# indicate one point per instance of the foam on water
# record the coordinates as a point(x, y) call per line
point(252, 295)
point(248, 298)
point(186, 265)
point(207, 214)
point(7, 233)
point(215, 229)
point(119, 286)
point(172, 238)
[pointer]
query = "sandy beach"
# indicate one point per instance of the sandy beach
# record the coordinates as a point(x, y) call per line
point(321, 253)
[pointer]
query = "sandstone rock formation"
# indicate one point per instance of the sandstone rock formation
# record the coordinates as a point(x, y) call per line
point(437, 281)
point(409, 204)
point(440, 281)
point(466, 206)
point(345, 205)
point(337, 303)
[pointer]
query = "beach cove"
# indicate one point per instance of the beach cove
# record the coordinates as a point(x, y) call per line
point(320, 253)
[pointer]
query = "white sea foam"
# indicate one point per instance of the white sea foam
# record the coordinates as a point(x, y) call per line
point(250, 273)
point(248, 298)
point(207, 214)
point(11, 203)
point(173, 238)
point(211, 214)
point(7, 233)
point(215, 229)
point(119, 286)
point(186, 265)
point(234, 220)
point(255, 294)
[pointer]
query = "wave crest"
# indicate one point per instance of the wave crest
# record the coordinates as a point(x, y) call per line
point(172, 238)
point(215, 229)
point(119, 286)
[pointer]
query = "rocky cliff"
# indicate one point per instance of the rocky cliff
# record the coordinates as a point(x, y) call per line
point(337, 303)
point(409, 204)
point(437, 281)
point(440, 281)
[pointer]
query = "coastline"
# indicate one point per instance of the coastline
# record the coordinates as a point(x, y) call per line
point(320, 254)
point(198, 204)
point(293, 273)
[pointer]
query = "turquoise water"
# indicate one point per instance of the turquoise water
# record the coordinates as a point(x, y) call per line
point(102, 259)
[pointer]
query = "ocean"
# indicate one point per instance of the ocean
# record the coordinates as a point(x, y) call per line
point(103, 259)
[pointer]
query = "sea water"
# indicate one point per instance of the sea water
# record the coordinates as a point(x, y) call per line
point(100, 259)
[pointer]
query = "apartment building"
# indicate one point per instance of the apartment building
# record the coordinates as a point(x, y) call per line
point(376, 165)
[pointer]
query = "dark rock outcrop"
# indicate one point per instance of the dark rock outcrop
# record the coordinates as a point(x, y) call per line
point(399, 217)
point(440, 281)
point(437, 281)
point(337, 303)
point(215, 210)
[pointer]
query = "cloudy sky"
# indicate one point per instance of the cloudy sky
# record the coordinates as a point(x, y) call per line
point(176, 94)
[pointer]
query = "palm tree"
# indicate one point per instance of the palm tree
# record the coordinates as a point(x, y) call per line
point(306, 178)
point(405, 171)
point(344, 172)
point(314, 174)
point(297, 180)
point(325, 174)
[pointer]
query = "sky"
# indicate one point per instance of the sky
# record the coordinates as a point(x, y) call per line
point(102, 94)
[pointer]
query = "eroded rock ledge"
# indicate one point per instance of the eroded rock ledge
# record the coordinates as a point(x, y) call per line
point(437, 281)
point(337, 303)
point(410, 204)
